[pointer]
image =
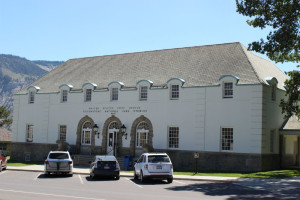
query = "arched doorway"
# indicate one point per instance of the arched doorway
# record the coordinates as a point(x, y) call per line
point(111, 130)
point(85, 139)
point(112, 138)
point(141, 133)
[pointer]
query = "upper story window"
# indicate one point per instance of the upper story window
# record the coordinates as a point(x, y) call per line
point(273, 93)
point(228, 90)
point(227, 139)
point(64, 95)
point(173, 137)
point(174, 91)
point(115, 94)
point(143, 93)
point(88, 95)
point(31, 97)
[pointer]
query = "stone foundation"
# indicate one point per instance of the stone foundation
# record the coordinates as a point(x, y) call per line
point(182, 160)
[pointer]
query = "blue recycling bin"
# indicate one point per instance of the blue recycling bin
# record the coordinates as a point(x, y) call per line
point(127, 162)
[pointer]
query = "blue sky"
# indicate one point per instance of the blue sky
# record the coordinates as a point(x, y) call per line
point(65, 29)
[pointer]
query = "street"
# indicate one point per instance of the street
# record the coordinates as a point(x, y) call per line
point(34, 185)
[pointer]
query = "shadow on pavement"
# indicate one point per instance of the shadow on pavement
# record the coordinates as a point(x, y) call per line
point(150, 182)
point(241, 190)
point(99, 178)
point(54, 176)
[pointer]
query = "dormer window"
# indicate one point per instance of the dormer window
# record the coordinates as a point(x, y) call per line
point(174, 84)
point(31, 97)
point(88, 95)
point(143, 93)
point(227, 90)
point(272, 81)
point(64, 96)
point(115, 94)
point(174, 91)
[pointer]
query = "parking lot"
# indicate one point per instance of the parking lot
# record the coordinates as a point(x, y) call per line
point(34, 185)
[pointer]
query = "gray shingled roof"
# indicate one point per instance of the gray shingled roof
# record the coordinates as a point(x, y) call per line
point(198, 66)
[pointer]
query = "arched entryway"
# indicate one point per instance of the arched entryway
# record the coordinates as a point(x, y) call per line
point(85, 138)
point(141, 133)
point(112, 138)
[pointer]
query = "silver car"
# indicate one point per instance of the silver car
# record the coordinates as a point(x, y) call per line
point(58, 162)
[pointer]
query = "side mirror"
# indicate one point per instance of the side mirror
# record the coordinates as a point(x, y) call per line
point(4, 155)
point(135, 161)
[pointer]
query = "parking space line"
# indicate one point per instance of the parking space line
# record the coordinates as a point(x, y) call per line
point(37, 176)
point(46, 194)
point(133, 182)
point(180, 182)
point(80, 179)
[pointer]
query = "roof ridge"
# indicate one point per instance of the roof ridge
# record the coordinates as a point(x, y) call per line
point(245, 51)
point(169, 49)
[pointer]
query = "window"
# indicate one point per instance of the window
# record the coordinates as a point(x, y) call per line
point(62, 133)
point(114, 94)
point(3, 146)
point(64, 95)
point(173, 137)
point(228, 90)
point(174, 91)
point(227, 139)
point(272, 141)
point(31, 97)
point(29, 132)
point(86, 133)
point(88, 95)
point(274, 87)
point(143, 93)
point(142, 134)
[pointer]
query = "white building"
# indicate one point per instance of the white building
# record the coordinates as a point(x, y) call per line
point(219, 100)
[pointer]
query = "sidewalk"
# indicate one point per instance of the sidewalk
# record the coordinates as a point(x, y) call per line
point(85, 171)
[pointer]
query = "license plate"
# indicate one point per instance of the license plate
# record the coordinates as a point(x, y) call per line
point(158, 167)
point(106, 167)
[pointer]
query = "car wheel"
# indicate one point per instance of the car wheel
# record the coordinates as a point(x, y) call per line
point(142, 177)
point(117, 177)
point(92, 176)
point(0, 167)
point(135, 175)
point(47, 173)
point(170, 180)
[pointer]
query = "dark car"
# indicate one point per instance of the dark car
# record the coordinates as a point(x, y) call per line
point(105, 166)
point(3, 161)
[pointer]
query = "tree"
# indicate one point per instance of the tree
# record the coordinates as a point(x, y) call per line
point(282, 44)
point(4, 114)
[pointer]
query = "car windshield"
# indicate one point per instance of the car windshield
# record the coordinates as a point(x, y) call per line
point(58, 156)
point(156, 159)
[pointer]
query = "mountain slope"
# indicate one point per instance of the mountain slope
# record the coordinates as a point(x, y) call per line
point(17, 72)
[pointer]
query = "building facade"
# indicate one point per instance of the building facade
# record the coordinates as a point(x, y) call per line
point(221, 101)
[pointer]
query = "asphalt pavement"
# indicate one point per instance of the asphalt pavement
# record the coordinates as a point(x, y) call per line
point(85, 171)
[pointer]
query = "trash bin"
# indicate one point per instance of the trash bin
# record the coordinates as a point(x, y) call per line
point(127, 162)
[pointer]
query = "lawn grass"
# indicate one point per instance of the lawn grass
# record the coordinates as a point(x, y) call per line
point(22, 164)
point(268, 174)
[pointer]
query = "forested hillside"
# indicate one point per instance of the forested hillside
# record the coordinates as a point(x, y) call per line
point(17, 72)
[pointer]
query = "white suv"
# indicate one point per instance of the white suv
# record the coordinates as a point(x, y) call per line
point(154, 165)
point(58, 162)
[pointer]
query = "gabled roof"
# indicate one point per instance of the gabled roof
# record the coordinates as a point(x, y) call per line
point(291, 124)
point(197, 66)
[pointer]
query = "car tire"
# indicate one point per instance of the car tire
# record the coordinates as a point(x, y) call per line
point(170, 180)
point(135, 175)
point(142, 177)
point(92, 176)
point(47, 173)
point(117, 177)
point(0, 166)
